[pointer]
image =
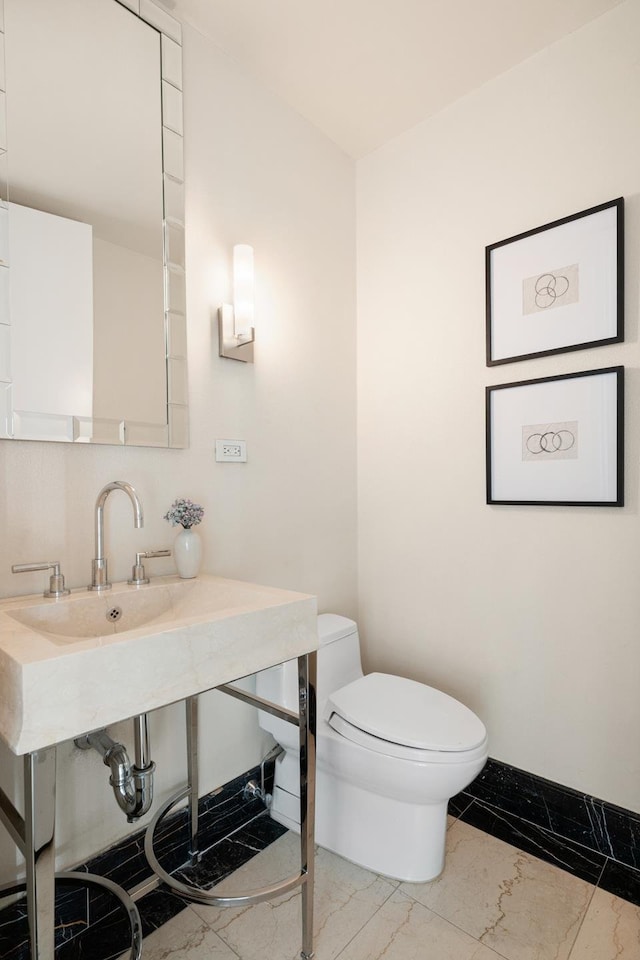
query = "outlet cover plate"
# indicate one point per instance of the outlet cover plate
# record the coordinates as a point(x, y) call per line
point(231, 451)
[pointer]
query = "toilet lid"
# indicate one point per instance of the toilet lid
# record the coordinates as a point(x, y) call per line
point(408, 713)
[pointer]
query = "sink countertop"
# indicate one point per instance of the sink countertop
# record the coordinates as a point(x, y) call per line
point(64, 670)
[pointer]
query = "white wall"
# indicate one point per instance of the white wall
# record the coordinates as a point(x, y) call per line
point(531, 615)
point(255, 172)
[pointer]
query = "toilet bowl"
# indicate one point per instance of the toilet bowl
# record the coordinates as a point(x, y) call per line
point(390, 753)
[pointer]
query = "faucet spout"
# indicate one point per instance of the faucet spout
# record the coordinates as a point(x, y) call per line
point(100, 578)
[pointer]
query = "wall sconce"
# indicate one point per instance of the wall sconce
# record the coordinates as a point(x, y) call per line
point(235, 321)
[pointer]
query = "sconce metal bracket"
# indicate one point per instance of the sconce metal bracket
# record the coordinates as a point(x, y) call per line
point(230, 345)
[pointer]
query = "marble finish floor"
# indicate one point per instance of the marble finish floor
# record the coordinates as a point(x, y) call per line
point(493, 902)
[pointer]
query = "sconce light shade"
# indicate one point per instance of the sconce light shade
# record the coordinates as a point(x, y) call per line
point(235, 321)
point(243, 289)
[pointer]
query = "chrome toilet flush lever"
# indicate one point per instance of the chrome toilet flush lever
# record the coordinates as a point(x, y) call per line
point(138, 575)
point(56, 580)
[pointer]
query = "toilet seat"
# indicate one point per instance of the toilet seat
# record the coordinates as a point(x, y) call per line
point(401, 718)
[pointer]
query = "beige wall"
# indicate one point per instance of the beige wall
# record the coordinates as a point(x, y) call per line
point(531, 615)
point(255, 173)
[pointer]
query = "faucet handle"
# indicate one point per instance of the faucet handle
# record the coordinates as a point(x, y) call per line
point(56, 580)
point(138, 576)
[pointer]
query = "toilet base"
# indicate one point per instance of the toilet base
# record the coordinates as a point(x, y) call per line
point(403, 841)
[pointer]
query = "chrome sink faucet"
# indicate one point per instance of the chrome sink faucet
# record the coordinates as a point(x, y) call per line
point(99, 574)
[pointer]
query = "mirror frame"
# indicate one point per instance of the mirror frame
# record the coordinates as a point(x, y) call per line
point(175, 432)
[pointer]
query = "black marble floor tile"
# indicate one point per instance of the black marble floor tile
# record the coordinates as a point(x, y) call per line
point(158, 907)
point(572, 857)
point(106, 940)
point(90, 923)
point(71, 919)
point(621, 835)
point(604, 827)
point(512, 790)
point(216, 864)
point(171, 842)
point(110, 937)
point(14, 932)
point(17, 950)
point(124, 863)
point(458, 804)
point(13, 926)
point(260, 832)
point(16, 945)
point(220, 814)
point(216, 824)
point(230, 854)
point(621, 880)
point(579, 818)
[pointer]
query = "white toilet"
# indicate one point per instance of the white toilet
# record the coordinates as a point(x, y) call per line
point(390, 754)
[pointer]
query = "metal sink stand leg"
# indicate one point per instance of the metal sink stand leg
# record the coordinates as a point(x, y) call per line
point(305, 719)
point(34, 835)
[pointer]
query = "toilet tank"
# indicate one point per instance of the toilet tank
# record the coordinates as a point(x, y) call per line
point(338, 654)
point(338, 664)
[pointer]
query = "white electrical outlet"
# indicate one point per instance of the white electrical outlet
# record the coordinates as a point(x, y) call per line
point(231, 451)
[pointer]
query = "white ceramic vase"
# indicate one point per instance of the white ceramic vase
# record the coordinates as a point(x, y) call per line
point(187, 550)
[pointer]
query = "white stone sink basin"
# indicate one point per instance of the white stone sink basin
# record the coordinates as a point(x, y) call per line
point(125, 608)
point(75, 664)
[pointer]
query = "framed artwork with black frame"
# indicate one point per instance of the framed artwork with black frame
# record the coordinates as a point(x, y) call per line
point(558, 287)
point(557, 440)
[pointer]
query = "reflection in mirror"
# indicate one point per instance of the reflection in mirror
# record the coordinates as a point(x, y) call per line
point(92, 313)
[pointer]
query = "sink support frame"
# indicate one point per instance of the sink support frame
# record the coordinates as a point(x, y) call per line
point(305, 720)
point(34, 834)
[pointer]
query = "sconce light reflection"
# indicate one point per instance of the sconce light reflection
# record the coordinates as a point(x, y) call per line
point(235, 321)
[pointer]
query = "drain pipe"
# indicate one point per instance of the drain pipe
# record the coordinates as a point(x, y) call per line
point(132, 785)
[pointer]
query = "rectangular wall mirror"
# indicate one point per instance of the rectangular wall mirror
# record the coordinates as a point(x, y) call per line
point(92, 292)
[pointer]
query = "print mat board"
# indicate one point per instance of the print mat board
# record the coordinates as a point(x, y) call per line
point(558, 287)
point(557, 440)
